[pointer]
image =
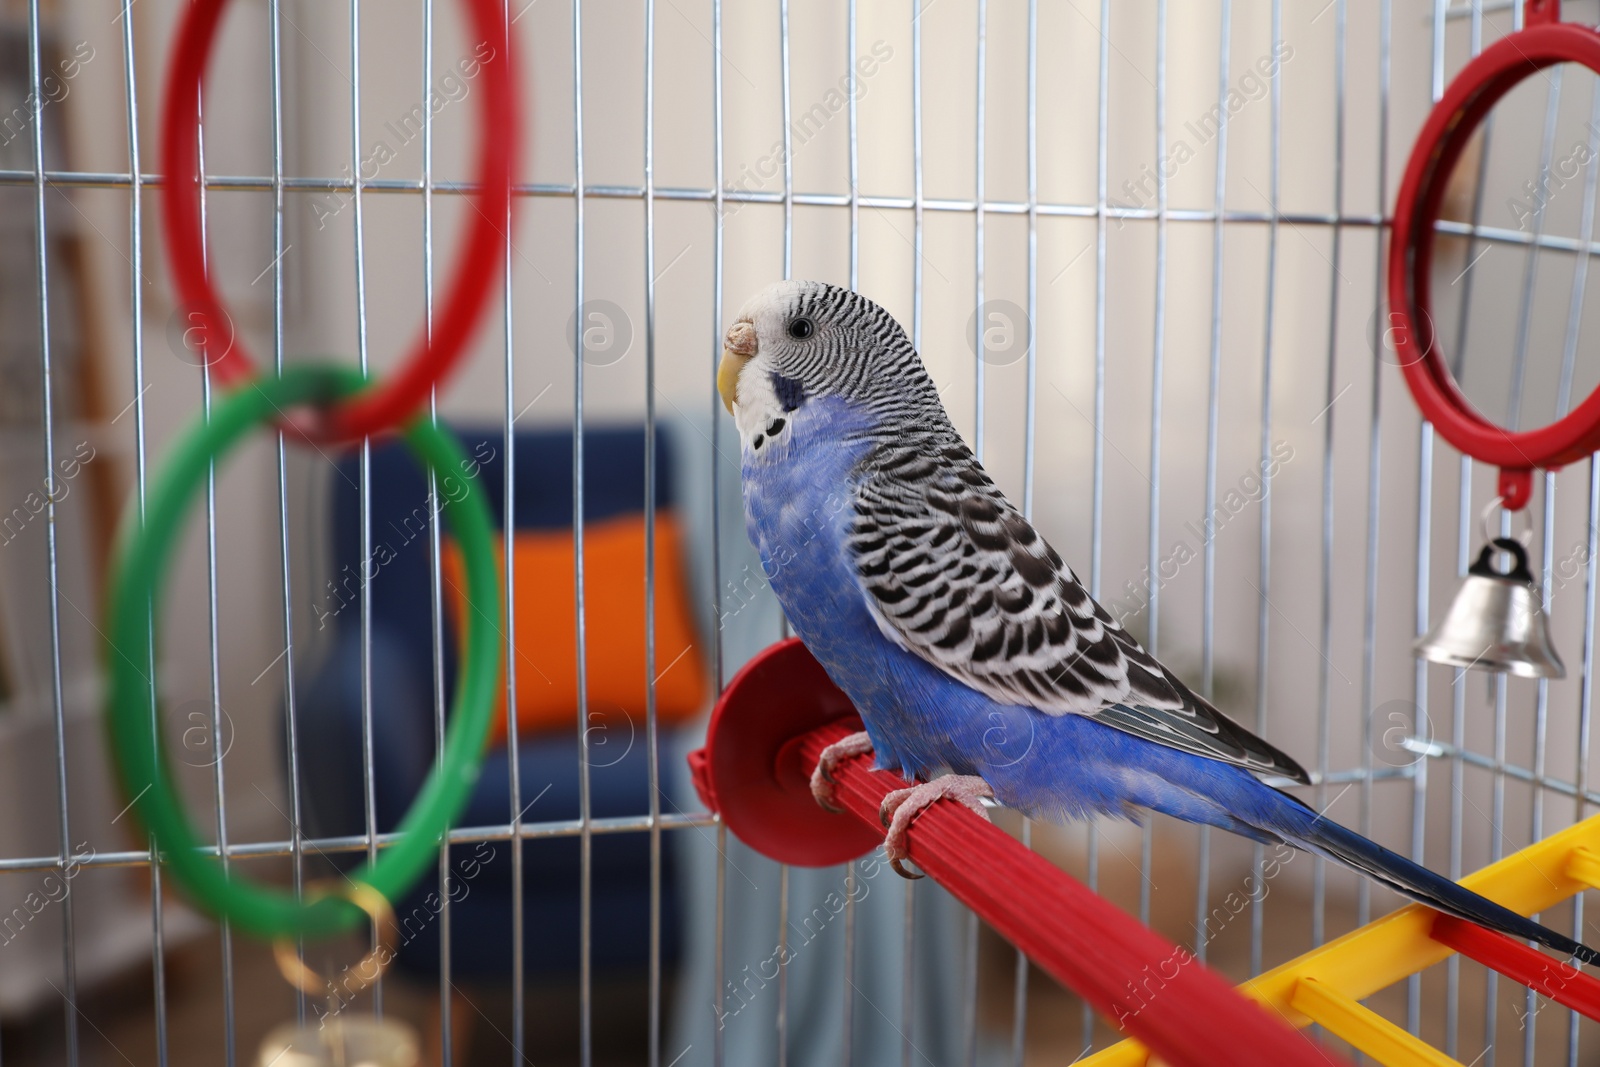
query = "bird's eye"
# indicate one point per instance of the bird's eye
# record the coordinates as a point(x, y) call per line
point(800, 329)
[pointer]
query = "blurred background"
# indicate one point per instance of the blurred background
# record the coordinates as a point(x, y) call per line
point(1141, 249)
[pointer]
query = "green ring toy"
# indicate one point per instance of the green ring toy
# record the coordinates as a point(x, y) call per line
point(139, 567)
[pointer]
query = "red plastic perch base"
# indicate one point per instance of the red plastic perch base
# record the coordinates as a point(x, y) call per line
point(751, 770)
point(1562, 982)
point(766, 734)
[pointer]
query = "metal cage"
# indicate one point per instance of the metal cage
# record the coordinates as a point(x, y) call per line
point(1141, 248)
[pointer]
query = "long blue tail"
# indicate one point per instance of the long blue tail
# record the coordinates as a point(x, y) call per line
point(1326, 837)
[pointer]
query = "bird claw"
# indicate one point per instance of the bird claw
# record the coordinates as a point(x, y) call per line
point(827, 805)
point(902, 806)
point(910, 876)
point(822, 780)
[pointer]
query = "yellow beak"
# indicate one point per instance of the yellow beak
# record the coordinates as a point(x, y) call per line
point(728, 377)
point(738, 348)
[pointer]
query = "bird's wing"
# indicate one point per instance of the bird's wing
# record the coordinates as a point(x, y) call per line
point(952, 572)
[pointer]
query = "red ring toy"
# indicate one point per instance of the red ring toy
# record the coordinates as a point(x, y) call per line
point(1543, 42)
point(385, 406)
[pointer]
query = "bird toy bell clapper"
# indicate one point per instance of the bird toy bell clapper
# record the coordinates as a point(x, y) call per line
point(1497, 621)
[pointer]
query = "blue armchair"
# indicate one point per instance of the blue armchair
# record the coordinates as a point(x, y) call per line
point(329, 719)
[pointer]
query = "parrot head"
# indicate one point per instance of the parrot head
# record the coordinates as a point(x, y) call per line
point(799, 340)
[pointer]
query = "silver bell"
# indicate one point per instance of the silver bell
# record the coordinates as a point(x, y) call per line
point(1496, 622)
point(360, 1040)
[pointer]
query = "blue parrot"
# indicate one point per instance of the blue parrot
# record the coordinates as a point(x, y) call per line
point(981, 666)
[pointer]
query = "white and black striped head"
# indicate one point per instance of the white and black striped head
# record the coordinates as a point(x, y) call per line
point(796, 342)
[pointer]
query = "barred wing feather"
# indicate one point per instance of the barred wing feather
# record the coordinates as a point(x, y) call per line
point(955, 574)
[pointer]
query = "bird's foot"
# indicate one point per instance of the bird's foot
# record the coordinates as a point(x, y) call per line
point(900, 807)
point(822, 778)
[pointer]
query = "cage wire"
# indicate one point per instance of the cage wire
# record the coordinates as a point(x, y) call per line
point(1141, 249)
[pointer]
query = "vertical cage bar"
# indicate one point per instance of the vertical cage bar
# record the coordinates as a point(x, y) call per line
point(1158, 355)
point(1208, 595)
point(586, 833)
point(1585, 691)
point(1436, 49)
point(435, 555)
point(916, 174)
point(1019, 1007)
point(1420, 722)
point(1542, 696)
point(1458, 696)
point(1540, 727)
point(788, 157)
point(1102, 155)
point(1158, 345)
point(1497, 809)
point(215, 681)
point(715, 398)
point(1097, 462)
point(1498, 800)
point(368, 750)
point(788, 248)
point(969, 939)
point(519, 916)
point(136, 341)
point(1208, 586)
point(851, 933)
point(1418, 770)
point(783, 624)
point(1530, 273)
point(847, 1016)
point(1424, 544)
point(980, 126)
point(1030, 401)
point(907, 985)
point(1569, 351)
point(291, 724)
point(1332, 393)
point(980, 130)
point(1091, 878)
point(783, 968)
point(1497, 819)
point(1264, 566)
point(69, 965)
point(855, 154)
point(718, 670)
point(1458, 732)
point(1519, 365)
point(1580, 265)
point(908, 954)
point(219, 784)
point(652, 738)
point(1458, 361)
point(1370, 615)
point(720, 945)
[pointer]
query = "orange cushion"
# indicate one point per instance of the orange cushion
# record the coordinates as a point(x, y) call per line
point(546, 627)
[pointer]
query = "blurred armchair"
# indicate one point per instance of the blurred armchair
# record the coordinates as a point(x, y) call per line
point(402, 696)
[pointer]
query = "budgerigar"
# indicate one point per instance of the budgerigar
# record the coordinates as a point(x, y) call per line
point(979, 663)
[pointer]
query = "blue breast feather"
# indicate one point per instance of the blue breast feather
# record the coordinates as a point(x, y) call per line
point(922, 721)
